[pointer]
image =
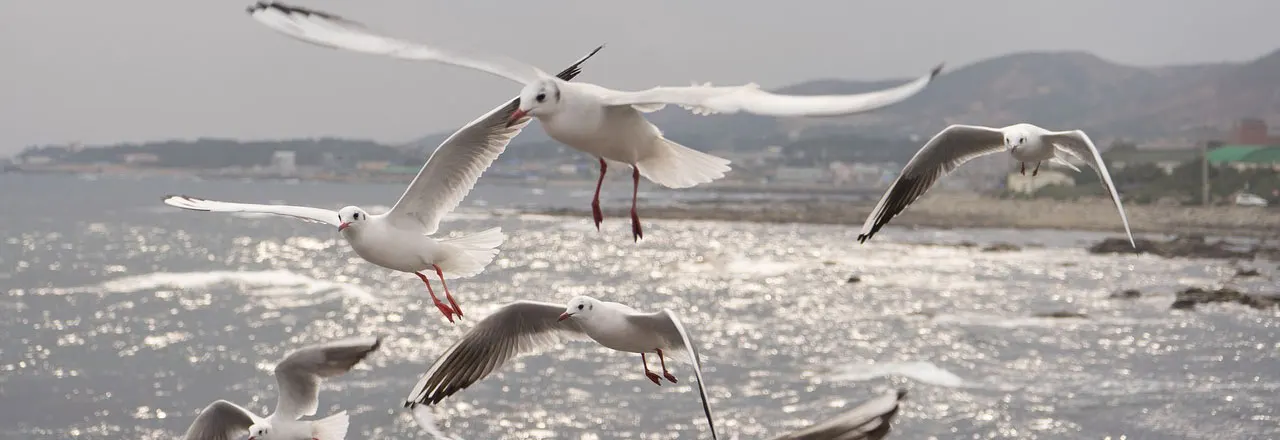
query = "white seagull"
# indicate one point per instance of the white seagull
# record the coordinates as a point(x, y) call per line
point(399, 239)
point(602, 122)
point(957, 144)
point(868, 421)
point(527, 326)
point(298, 378)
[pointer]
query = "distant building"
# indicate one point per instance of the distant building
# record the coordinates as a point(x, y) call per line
point(1166, 159)
point(372, 165)
point(1252, 131)
point(140, 158)
point(1027, 184)
point(37, 160)
point(1244, 157)
point(285, 162)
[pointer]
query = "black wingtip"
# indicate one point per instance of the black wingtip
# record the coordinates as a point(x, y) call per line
point(937, 70)
point(862, 238)
point(410, 404)
point(902, 393)
point(377, 343)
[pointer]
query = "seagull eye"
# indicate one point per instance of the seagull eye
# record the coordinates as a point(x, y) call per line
point(541, 97)
point(579, 306)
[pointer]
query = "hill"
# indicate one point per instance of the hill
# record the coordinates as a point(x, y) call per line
point(1053, 89)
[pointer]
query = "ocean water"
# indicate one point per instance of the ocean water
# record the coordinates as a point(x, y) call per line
point(122, 318)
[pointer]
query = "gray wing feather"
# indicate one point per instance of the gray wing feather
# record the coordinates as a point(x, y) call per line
point(669, 327)
point(299, 374)
point(1078, 144)
point(946, 151)
point(221, 420)
point(869, 421)
point(517, 328)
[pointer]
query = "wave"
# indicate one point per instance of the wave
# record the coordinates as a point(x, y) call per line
point(920, 371)
point(269, 283)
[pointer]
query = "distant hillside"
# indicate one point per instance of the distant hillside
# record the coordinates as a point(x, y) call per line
point(1052, 89)
point(220, 153)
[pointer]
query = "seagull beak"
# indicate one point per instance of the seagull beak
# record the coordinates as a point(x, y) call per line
point(519, 114)
point(343, 226)
point(564, 316)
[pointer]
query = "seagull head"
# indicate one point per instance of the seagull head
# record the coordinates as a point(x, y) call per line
point(1015, 139)
point(537, 98)
point(581, 307)
point(259, 431)
point(350, 216)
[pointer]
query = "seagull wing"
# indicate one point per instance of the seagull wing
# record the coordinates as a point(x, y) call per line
point(948, 149)
point(707, 99)
point(453, 169)
point(299, 374)
point(1078, 144)
point(315, 215)
point(868, 421)
point(330, 30)
point(517, 328)
point(221, 420)
point(668, 325)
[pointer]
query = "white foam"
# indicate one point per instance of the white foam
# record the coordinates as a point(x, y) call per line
point(269, 283)
point(921, 371)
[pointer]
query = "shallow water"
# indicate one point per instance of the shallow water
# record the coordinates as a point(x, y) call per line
point(122, 318)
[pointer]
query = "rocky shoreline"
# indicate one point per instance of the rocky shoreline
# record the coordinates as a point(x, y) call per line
point(965, 210)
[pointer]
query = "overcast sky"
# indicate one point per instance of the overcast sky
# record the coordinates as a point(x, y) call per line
point(96, 71)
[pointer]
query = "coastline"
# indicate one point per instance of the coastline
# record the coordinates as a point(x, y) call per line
point(968, 210)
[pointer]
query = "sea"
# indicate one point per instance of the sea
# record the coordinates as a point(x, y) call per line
point(121, 318)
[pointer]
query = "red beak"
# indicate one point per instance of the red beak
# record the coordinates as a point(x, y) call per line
point(564, 316)
point(519, 114)
point(344, 226)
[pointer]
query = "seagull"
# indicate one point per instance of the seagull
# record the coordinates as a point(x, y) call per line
point(957, 144)
point(298, 379)
point(399, 239)
point(527, 326)
point(605, 123)
point(868, 421)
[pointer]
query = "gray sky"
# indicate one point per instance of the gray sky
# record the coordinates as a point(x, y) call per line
point(97, 71)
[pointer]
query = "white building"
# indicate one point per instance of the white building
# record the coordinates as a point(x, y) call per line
point(285, 162)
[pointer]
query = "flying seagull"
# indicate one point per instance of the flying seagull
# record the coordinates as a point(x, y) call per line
point(605, 123)
point(399, 239)
point(298, 378)
point(528, 326)
point(957, 144)
point(868, 421)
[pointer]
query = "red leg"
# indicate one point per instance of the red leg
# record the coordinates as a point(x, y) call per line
point(1037, 170)
point(1024, 168)
point(649, 374)
point(636, 232)
point(595, 201)
point(444, 308)
point(448, 295)
point(665, 373)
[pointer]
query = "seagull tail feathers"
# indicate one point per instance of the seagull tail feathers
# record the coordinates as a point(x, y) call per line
point(469, 254)
point(333, 427)
point(678, 166)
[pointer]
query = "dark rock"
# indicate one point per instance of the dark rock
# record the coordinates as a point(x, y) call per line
point(1189, 246)
point(1247, 272)
point(1190, 297)
point(1001, 247)
point(1060, 314)
point(1127, 294)
point(853, 279)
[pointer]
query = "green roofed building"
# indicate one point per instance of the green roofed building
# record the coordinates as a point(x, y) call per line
point(1246, 156)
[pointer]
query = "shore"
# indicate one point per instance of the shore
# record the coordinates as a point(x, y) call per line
point(966, 210)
